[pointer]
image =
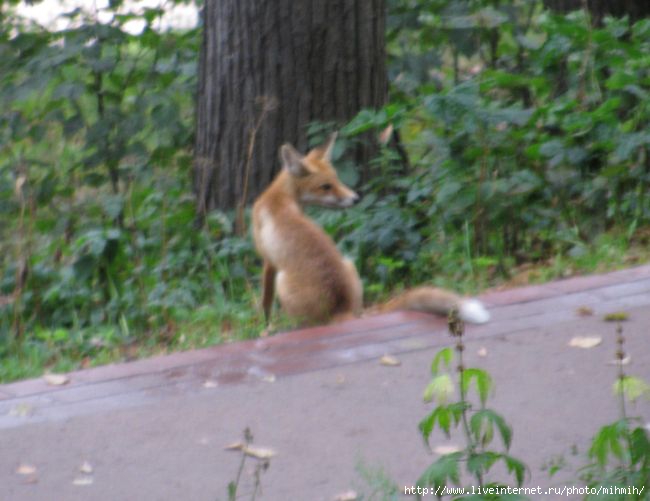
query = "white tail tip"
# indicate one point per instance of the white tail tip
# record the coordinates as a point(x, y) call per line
point(473, 311)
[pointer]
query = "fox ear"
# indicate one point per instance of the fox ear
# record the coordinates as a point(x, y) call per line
point(328, 146)
point(292, 160)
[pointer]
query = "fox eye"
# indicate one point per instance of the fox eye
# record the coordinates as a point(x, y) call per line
point(326, 187)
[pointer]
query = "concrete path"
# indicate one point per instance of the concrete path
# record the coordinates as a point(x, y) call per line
point(156, 429)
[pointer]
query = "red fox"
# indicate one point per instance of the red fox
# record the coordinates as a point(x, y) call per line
point(315, 283)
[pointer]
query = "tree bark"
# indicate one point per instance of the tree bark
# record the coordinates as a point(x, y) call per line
point(269, 68)
point(635, 9)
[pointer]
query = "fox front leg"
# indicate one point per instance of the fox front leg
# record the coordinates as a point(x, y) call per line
point(268, 290)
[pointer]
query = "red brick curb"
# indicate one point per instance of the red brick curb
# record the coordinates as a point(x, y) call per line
point(322, 347)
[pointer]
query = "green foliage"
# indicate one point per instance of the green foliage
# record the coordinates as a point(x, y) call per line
point(620, 452)
point(526, 133)
point(621, 461)
point(97, 224)
point(619, 456)
point(479, 424)
point(523, 139)
point(378, 486)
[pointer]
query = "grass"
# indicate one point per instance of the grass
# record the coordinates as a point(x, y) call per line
point(63, 350)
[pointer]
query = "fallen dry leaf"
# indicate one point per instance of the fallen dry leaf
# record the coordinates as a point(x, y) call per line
point(340, 379)
point(235, 446)
point(56, 379)
point(251, 450)
point(258, 452)
point(82, 481)
point(209, 383)
point(389, 361)
point(482, 351)
point(347, 496)
point(585, 341)
point(25, 469)
point(86, 467)
point(584, 311)
point(446, 449)
point(269, 378)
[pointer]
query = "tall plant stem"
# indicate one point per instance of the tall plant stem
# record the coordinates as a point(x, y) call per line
point(457, 330)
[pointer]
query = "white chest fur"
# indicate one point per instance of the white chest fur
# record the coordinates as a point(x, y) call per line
point(271, 243)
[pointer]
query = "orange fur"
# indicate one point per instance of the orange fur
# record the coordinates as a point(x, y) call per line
point(314, 282)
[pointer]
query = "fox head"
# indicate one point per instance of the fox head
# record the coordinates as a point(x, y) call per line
point(313, 177)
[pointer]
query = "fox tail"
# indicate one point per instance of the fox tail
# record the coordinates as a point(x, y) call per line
point(440, 302)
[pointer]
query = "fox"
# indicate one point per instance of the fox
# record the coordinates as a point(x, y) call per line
point(315, 283)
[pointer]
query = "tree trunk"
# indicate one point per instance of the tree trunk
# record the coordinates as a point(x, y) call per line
point(635, 9)
point(269, 68)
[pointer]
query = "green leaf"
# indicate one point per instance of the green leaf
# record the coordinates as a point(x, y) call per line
point(94, 241)
point(610, 439)
point(440, 389)
point(445, 355)
point(444, 419)
point(640, 446)
point(113, 205)
point(628, 145)
point(443, 471)
point(456, 409)
point(482, 424)
point(232, 491)
point(515, 466)
point(619, 80)
point(530, 42)
point(84, 267)
point(481, 462)
point(482, 381)
point(632, 388)
point(364, 121)
point(447, 192)
point(426, 425)
point(551, 148)
point(440, 415)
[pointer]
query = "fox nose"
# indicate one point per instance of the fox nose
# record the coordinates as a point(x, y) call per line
point(355, 197)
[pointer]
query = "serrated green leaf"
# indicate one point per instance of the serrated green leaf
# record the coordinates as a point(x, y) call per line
point(456, 409)
point(481, 462)
point(426, 425)
point(441, 416)
point(482, 382)
point(482, 425)
point(640, 446)
point(446, 355)
point(515, 466)
point(608, 441)
point(444, 419)
point(443, 471)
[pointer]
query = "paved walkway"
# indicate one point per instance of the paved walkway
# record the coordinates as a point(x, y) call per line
point(156, 429)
